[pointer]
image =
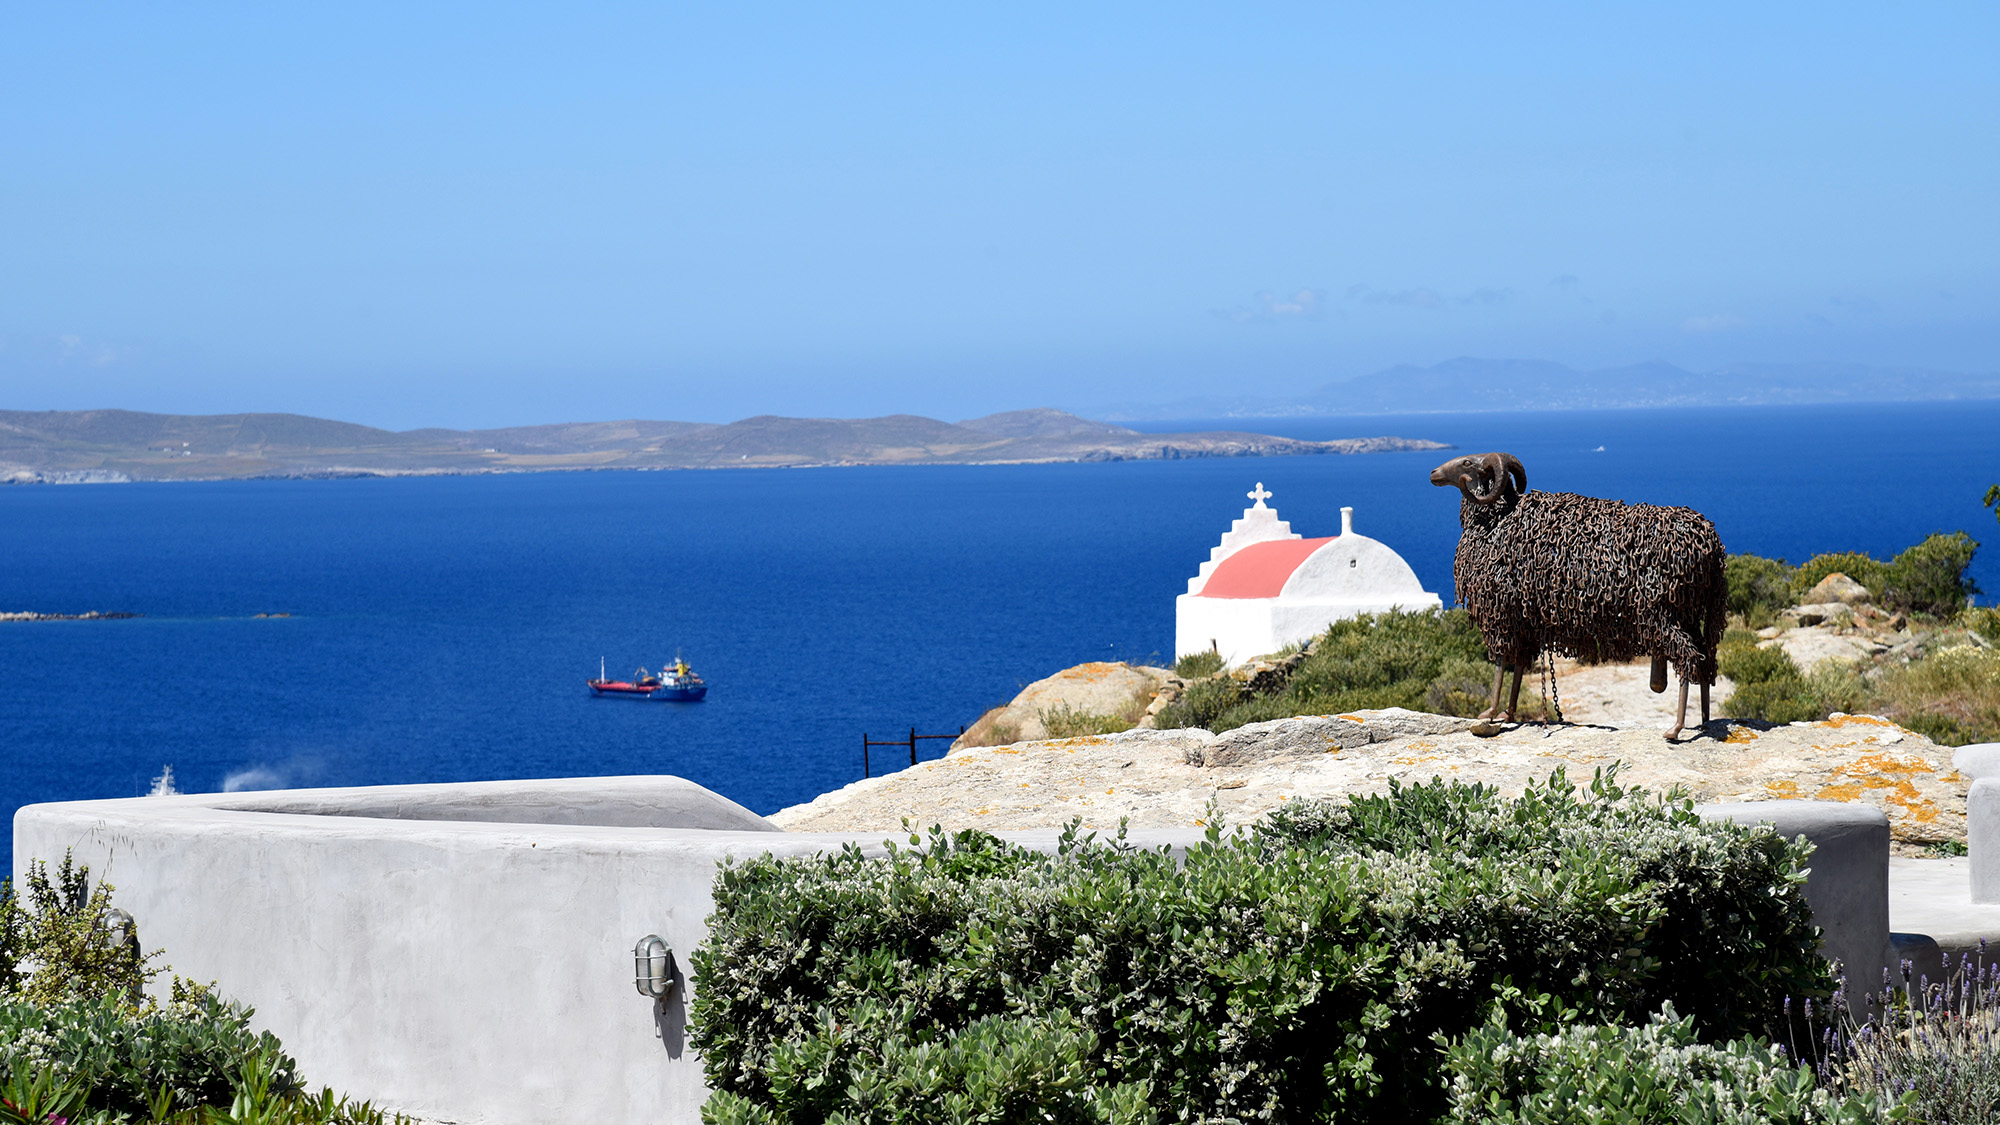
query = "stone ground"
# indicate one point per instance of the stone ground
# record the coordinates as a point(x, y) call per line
point(1158, 778)
point(1618, 695)
point(1173, 778)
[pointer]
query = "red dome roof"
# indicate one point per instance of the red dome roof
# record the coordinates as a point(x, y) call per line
point(1261, 569)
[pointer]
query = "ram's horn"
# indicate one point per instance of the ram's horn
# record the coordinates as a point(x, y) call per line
point(1519, 473)
point(1499, 486)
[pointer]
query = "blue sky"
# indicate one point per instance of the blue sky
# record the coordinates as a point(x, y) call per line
point(489, 214)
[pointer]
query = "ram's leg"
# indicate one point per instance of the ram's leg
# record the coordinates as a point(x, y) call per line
point(1514, 697)
point(1704, 705)
point(1499, 681)
point(1659, 681)
point(1680, 713)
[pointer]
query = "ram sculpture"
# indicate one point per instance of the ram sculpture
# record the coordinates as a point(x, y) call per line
point(1578, 576)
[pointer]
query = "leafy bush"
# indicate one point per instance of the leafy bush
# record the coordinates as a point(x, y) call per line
point(1983, 620)
point(193, 1048)
point(1195, 665)
point(1296, 973)
point(67, 940)
point(1375, 660)
point(1752, 664)
point(1758, 587)
point(998, 1068)
point(1870, 572)
point(1587, 1074)
point(1929, 578)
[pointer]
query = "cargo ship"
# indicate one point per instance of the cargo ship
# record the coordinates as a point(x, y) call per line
point(677, 683)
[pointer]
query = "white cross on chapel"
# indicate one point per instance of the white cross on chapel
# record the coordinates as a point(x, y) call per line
point(1259, 495)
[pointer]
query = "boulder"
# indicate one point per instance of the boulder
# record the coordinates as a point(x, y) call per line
point(1116, 691)
point(1809, 647)
point(1313, 735)
point(1823, 613)
point(1837, 587)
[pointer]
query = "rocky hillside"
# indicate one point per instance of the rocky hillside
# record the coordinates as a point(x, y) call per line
point(113, 445)
point(1155, 778)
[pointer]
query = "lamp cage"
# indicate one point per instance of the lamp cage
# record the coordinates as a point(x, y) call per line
point(653, 971)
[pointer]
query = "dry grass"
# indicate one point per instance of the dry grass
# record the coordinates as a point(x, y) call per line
point(1952, 695)
point(1064, 721)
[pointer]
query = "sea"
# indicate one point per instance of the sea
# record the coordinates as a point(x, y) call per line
point(428, 629)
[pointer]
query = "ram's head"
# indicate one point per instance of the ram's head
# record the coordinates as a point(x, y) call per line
point(1484, 478)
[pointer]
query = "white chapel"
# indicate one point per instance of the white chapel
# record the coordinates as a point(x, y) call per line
point(1265, 586)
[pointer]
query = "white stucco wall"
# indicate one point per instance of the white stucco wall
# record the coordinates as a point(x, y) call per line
point(466, 970)
point(1239, 628)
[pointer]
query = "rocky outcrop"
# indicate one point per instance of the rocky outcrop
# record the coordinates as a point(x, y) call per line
point(1099, 693)
point(1838, 587)
point(1161, 778)
point(93, 615)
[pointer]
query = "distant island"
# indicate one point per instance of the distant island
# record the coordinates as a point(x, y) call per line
point(1473, 385)
point(108, 446)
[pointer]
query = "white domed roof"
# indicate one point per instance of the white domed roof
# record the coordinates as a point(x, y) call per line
point(1352, 567)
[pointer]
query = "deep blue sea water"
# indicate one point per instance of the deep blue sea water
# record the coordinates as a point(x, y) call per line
point(442, 627)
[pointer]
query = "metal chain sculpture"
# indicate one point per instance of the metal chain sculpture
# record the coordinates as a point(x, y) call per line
point(1592, 579)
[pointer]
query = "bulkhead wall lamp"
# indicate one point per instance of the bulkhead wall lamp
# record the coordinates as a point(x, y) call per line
point(653, 971)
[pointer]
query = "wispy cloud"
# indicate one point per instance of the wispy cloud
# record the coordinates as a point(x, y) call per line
point(1705, 325)
point(1421, 297)
point(1424, 297)
point(1567, 283)
point(75, 349)
point(1306, 304)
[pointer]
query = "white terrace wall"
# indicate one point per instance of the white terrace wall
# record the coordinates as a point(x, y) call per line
point(463, 952)
point(474, 970)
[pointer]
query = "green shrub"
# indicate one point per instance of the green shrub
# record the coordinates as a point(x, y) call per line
point(1195, 665)
point(1771, 688)
point(998, 1069)
point(1929, 578)
point(1297, 973)
point(1396, 659)
point(1870, 572)
point(195, 1049)
point(194, 1061)
point(1758, 587)
point(60, 944)
point(1983, 620)
point(1590, 1074)
point(1463, 686)
point(1064, 721)
point(1202, 705)
point(1750, 664)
